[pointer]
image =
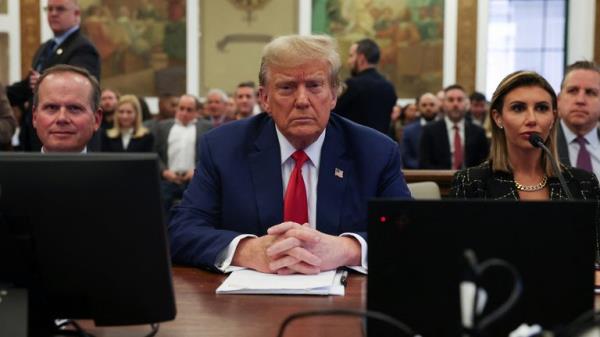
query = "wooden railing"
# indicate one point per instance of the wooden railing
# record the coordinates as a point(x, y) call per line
point(442, 177)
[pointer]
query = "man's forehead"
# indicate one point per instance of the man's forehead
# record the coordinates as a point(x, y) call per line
point(108, 93)
point(579, 75)
point(56, 82)
point(299, 73)
point(454, 93)
point(61, 2)
point(186, 100)
point(245, 91)
point(214, 97)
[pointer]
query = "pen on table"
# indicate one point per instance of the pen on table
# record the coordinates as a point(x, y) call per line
point(344, 278)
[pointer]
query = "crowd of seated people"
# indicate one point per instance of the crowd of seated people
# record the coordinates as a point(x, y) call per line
point(450, 130)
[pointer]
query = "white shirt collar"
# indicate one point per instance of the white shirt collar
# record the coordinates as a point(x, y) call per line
point(450, 124)
point(192, 122)
point(83, 151)
point(313, 151)
point(61, 38)
point(591, 137)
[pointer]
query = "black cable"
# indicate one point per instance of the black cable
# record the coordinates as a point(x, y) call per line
point(406, 330)
point(580, 325)
point(516, 292)
point(537, 141)
point(154, 327)
point(79, 331)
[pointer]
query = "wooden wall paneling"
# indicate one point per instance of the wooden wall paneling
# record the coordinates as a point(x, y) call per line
point(30, 32)
point(466, 45)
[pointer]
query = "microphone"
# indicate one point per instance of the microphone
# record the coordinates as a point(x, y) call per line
point(537, 141)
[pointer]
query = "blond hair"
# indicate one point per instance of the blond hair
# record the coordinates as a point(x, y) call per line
point(294, 50)
point(499, 150)
point(138, 129)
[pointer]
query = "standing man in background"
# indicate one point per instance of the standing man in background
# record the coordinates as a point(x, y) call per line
point(68, 46)
point(369, 98)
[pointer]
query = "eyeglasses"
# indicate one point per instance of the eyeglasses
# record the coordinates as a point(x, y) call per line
point(57, 9)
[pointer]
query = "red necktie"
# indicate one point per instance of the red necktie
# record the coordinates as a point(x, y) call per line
point(295, 207)
point(458, 150)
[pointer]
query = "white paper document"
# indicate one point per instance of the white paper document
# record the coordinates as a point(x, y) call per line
point(248, 281)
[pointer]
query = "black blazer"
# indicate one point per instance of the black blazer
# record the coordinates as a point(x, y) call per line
point(76, 50)
point(141, 144)
point(368, 100)
point(481, 182)
point(434, 149)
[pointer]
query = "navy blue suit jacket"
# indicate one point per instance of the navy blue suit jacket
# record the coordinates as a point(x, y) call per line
point(434, 147)
point(237, 187)
point(411, 136)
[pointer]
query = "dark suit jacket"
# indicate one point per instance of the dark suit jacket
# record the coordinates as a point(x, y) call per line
point(368, 100)
point(237, 187)
point(7, 121)
point(140, 144)
point(481, 182)
point(434, 150)
point(161, 139)
point(411, 137)
point(76, 50)
point(563, 147)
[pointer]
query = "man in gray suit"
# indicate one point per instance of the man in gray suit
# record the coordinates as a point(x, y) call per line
point(176, 142)
point(579, 110)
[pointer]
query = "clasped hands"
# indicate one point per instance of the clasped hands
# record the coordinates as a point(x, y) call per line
point(290, 248)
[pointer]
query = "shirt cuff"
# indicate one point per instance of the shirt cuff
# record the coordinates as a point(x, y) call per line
point(363, 268)
point(223, 261)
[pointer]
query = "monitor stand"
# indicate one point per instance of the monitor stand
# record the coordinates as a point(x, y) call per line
point(13, 312)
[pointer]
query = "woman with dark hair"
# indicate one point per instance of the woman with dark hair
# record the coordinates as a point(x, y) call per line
point(524, 103)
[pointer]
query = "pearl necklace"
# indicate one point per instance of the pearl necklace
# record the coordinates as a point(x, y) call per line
point(532, 188)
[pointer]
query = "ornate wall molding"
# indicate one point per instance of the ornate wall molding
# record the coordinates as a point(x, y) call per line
point(30, 32)
point(466, 44)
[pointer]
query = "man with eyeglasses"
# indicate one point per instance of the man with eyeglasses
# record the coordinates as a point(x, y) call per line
point(68, 46)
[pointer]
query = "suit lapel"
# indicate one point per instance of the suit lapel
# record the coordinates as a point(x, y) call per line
point(445, 144)
point(61, 49)
point(563, 148)
point(265, 167)
point(469, 146)
point(334, 172)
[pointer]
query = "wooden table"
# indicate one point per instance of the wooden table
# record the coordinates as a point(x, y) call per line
point(202, 313)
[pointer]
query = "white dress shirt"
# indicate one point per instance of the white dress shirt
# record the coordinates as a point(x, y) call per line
point(182, 146)
point(126, 135)
point(593, 147)
point(461, 131)
point(310, 175)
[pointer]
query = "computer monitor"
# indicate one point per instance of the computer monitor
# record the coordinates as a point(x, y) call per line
point(417, 261)
point(86, 235)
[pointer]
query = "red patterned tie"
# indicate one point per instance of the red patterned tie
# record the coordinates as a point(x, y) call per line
point(295, 207)
point(458, 150)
